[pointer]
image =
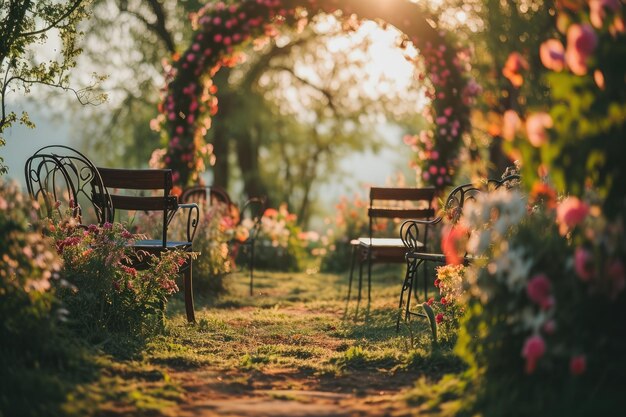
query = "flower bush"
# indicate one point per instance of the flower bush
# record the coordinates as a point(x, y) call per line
point(278, 245)
point(543, 330)
point(103, 292)
point(448, 307)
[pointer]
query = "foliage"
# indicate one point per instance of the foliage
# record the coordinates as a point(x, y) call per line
point(25, 25)
point(349, 223)
point(34, 349)
point(449, 307)
point(531, 342)
point(278, 246)
point(216, 230)
point(104, 294)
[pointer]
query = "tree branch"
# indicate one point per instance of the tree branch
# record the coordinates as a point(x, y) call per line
point(68, 12)
point(304, 81)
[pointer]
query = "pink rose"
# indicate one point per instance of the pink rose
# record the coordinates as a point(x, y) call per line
point(581, 42)
point(552, 54)
point(583, 264)
point(536, 126)
point(570, 213)
point(578, 365)
point(539, 291)
point(534, 348)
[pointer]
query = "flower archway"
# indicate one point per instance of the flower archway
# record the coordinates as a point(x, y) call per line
point(219, 28)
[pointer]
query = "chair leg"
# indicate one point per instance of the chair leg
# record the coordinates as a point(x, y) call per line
point(352, 262)
point(406, 284)
point(251, 266)
point(360, 278)
point(188, 287)
point(369, 275)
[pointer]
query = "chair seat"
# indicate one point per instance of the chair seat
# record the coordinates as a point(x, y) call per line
point(153, 244)
point(391, 243)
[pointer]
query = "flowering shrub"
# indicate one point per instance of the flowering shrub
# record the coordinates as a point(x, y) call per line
point(349, 223)
point(449, 306)
point(545, 305)
point(104, 293)
point(278, 246)
point(217, 228)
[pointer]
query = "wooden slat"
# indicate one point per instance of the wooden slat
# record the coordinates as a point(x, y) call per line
point(412, 194)
point(136, 179)
point(399, 213)
point(123, 202)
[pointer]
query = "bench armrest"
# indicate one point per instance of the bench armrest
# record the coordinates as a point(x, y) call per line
point(193, 217)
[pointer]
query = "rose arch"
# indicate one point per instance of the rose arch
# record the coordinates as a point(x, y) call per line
point(189, 101)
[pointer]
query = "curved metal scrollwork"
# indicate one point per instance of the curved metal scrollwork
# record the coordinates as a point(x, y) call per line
point(60, 178)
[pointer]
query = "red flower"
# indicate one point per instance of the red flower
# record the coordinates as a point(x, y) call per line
point(439, 318)
point(534, 348)
point(443, 301)
point(430, 301)
point(453, 244)
point(539, 291)
point(578, 365)
point(437, 281)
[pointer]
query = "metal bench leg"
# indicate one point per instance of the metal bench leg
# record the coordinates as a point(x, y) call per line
point(251, 266)
point(369, 275)
point(352, 262)
point(406, 284)
point(187, 284)
point(360, 278)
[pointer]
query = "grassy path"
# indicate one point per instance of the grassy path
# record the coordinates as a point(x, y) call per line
point(287, 351)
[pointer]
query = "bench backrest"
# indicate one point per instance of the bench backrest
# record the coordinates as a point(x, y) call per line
point(63, 180)
point(128, 188)
point(400, 203)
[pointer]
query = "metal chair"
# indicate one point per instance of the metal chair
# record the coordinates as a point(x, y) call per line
point(124, 187)
point(388, 203)
point(410, 235)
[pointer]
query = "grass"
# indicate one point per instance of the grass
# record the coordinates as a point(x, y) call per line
point(294, 333)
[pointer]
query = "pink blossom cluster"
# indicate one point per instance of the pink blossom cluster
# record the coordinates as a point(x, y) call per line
point(582, 39)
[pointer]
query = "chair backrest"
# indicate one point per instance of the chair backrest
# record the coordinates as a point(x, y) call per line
point(128, 187)
point(62, 180)
point(253, 210)
point(205, 195)
point(453, 207)
point(400, 203)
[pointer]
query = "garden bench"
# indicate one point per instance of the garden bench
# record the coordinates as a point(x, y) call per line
point(252, 210)
point(64, 181)
point(126, 189)
point(414, 250)
point(388, 203)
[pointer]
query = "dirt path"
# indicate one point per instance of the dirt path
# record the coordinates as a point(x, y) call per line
point(286, 393)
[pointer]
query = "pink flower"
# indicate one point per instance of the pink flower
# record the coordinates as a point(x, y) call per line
point(597, 10)
point(439, 318)
point(534, 348)
point(443, 301)
point(430, 301)
point(436, 283)
point(539, 291)
point(578, 365)
point(536, 126)
point(570, 213)
point(583, 264)
point(217, 38)
point(510, 124)
point(552, 54)
point(581, 42)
